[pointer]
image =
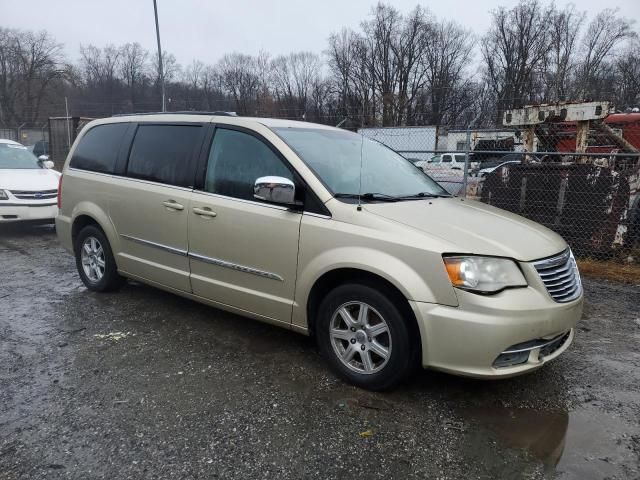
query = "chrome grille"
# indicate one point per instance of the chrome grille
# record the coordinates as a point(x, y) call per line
point(560, 276)
point(34, 195)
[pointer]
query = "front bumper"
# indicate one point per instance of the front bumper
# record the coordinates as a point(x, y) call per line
point(468, 339)
point(24, 213)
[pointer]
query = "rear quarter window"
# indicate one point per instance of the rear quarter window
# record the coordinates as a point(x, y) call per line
point(98, 148)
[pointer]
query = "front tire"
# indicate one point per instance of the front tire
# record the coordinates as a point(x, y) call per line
point(95, 262)
point(364, 337)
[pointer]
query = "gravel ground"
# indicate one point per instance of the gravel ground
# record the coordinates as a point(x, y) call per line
point(187, 391)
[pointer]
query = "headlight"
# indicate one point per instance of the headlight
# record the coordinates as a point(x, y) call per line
point(3, 195)
point(483, 274)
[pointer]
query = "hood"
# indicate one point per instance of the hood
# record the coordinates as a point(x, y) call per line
point(474, 227)
point(29, 179)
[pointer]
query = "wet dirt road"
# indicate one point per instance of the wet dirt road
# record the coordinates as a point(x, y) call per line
point(187, 391)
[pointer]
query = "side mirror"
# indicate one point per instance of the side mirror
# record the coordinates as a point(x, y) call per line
point(275, 190)
point(48, 164)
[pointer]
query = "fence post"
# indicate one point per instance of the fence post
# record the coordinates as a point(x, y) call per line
point(466, 155)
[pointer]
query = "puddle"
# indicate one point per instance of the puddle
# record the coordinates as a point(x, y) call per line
point(582, 444)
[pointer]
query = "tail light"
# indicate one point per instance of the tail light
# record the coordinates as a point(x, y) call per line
point(60, 192)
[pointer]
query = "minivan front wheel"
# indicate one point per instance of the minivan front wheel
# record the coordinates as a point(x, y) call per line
point(95, 262)
point(364, 337)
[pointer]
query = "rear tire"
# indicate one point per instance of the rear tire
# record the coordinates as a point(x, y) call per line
point(95, 262)
point(364, 337)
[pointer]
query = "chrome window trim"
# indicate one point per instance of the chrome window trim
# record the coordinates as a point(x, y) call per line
point(166, 248)
point(131, 179)
point(235, 266)
point(186, 189)
point(318, 215)
point(82, 170)
point(149, 182)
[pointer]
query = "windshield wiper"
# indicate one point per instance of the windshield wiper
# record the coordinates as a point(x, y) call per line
point(380, 197)
point(424, 195)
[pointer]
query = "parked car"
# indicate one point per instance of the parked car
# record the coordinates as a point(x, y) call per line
point(418, 162)
point(492, 164)
point(318, 230)
point(28, 186)
point(489, 167)
point(454, 161)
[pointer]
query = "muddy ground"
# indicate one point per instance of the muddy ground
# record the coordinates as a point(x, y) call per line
point(187, 391)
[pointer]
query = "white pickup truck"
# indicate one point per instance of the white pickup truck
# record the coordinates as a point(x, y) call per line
point(454, 161)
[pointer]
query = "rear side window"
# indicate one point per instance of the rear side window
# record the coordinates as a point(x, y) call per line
point(237, 160)
point(98, 148)
point(164, 153)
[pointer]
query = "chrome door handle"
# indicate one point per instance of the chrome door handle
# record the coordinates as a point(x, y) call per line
point(173, 205)
point(205, 212)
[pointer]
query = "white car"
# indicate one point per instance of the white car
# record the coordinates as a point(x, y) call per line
point(28, 185)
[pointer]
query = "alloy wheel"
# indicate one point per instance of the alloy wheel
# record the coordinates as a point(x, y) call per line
point(360, 337)
point(93, 260)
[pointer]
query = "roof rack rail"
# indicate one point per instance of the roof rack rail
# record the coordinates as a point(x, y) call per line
point(181, 112)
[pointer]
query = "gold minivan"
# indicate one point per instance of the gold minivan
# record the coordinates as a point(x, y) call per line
point(321, 231)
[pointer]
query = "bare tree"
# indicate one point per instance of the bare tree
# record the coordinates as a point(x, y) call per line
point(29, 64)
point(514, 50)
point(292, 79)
point(560, 63)
point(99, 69)
point(408, 50)
point(627, 76)
point(381, 33)
point(343, 62)
point(212, 89)
point(241, 79)
point(603, 35)
point(447, 55)
point(133, 69)
point(193, 80)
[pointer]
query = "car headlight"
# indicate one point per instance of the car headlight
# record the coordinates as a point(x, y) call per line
point(483, 274)
point(3, 195)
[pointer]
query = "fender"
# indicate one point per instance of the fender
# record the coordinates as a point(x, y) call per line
point(92, 210)
point(397, 272)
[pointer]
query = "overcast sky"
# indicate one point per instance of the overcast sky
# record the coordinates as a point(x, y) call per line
point(208, 29)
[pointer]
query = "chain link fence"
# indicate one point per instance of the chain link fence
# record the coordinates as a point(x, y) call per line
point(583, 184)
point(589, 193)
point(62, 133)
point(35, 137)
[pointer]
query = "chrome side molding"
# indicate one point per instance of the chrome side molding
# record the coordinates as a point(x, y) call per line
point(159, 246)
point(202, 258)
point(235, 266)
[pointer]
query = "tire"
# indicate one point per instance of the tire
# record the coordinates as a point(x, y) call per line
point(96, 266)
point(337, 339)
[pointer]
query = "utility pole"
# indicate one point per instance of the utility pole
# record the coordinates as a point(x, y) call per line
point(160, 66)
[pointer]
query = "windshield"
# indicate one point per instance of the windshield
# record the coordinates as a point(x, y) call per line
point(335, 157)
point(17, 157)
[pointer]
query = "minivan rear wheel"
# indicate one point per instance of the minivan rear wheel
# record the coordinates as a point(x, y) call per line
point(363, 335)
point(95, 262)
